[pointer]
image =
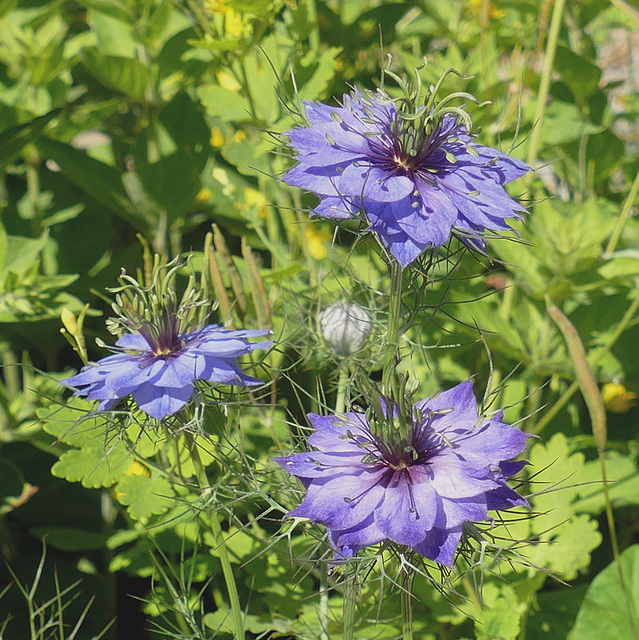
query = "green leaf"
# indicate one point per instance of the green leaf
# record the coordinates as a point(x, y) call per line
point(173, 182)
point(94, 467)
point(126, 75)
point(227, 105)
point(22, 254)
point(563, 122)
point(603, 613)
point(12, 140)
point(623, 483)
point(99, 180)
point(145, 495)
point(499, 617)
point(568, 550)
point(579, 73)
point(70, 539)
point(323, 71)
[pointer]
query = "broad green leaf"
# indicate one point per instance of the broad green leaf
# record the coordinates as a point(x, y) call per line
point(227, 105)
point(70, 539)
point(94, 467)
point(623, 483)
point(97, 179)
point(114, 34)
point(579, 73)
point(323, 71)
point(563, 122)
point(557, 468)
point(553, 612)
point(173, 182)
point(12, 140)
point(126, 75)
point(603, 612)
point(567, 548)
point(22, 254)
point(499, 616)
point(145, 495)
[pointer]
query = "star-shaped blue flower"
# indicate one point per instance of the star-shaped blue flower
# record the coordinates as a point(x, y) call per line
point(417, 180)
point(417, 491)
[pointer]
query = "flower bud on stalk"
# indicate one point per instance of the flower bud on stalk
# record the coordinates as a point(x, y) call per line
point(345, 327)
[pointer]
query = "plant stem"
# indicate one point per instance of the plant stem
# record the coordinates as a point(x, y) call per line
point(393, 333)
point(323, 602)
point(406, 591)
point(544, 84)
point(590, 392)
point(349, 604)
point(563, 400)
point(342, 387)
point(218, 538)
point(623, 217)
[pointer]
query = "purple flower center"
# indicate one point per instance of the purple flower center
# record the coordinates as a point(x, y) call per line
point(416, 148)
point(163, 336)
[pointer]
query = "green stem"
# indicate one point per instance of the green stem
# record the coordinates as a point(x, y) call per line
point(350, 591)
point(544, 84)
point(342, 388)
point(615, 545)
point(323, 602)
point(218, 539)
point(564, 399)
point(406, 590)
point(394, 321)
point(623, 217)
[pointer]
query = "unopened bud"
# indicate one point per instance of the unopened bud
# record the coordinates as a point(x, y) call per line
point(345, 327)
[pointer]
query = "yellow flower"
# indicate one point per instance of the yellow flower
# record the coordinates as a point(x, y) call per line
point(227, 81)
point(254, 198)
point(616, 398)
point(494, 11)
point(317, 237)
point(217, 137)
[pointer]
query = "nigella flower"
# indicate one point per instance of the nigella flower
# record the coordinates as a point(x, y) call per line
point(367, 484)
point(411, 168)
point(159, 372)
point(163, 349)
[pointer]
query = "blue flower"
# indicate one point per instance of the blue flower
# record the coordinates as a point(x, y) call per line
point(413, 172)
point(417, 490)
point(158, 368)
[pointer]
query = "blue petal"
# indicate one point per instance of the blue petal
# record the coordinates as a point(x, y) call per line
point(161, 402)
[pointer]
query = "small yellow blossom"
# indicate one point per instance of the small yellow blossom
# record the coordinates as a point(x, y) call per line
point(204, 195)
point(317, 238)
point(217, 137)
point(216, 6)
point(494, 11)
point(227, 81)
point(254, 198)
point(616, 398)
point(233, 24)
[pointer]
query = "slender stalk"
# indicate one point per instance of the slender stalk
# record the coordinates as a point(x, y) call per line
point(342, 388)
point(612, 529)
point(393, 333)
point(565, 398)
point(544, 84)
point(623, 218)
point(350, 592)
point(406, 590)
point(323, 602)
point(218, 538)
point(590, 392)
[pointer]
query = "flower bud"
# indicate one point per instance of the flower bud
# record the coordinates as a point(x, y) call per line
point(345, 327)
